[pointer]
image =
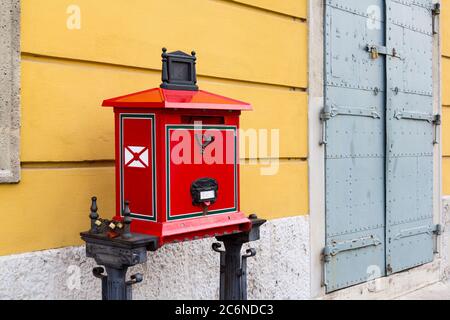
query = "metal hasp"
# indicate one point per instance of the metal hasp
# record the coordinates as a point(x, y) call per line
point(233, 265)
point(375, 51)
point(113, 246)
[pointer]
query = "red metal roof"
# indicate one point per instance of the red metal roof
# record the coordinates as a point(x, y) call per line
point(163, 98)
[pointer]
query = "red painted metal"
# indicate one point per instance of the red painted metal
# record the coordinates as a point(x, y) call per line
point(176, 99)
point(154, 172)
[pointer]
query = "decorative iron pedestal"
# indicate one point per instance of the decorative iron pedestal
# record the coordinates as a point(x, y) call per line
point(233, 265)
point(113, 246)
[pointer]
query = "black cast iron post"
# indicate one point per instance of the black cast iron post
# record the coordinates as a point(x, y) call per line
point(113, 246)
point(233, 265)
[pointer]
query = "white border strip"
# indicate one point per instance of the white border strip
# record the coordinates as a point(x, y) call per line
point(168, 128)
point(152, 118)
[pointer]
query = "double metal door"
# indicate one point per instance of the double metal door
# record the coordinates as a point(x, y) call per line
point(379, 134)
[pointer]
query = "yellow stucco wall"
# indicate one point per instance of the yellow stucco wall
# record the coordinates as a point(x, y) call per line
point(247, 49)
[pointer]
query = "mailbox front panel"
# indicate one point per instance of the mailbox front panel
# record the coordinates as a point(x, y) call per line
point(137, 176)
point(194, 153)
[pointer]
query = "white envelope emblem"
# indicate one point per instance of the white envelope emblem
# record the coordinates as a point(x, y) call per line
point(136, 157)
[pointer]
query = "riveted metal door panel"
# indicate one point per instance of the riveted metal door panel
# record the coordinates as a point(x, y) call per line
point(354, 117)
point(410, 135)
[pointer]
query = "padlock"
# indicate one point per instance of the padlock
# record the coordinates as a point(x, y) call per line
point(374, 53)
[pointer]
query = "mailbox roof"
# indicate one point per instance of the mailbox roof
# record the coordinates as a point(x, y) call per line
point(174, 99)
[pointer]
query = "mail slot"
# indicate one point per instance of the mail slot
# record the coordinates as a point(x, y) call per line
point(177, 160)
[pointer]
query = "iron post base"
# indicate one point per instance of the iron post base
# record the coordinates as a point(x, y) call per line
point(233, 265)
point(117, 255)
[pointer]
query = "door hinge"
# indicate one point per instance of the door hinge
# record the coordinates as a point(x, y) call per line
point(416, 231)
point(375, 51)
point(438, 229)
point(325, 115)
point(411, 232)
point(338, 247)
point(412, 115)
point(326, 259)
point(437, 121)
point(370, 112)
point(354, 244)
point(333, 111)
point(436, 11)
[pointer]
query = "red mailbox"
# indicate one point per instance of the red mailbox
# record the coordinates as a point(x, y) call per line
point(177, 159)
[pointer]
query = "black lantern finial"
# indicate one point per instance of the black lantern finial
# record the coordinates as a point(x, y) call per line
point(94, 215)
point(179, 71)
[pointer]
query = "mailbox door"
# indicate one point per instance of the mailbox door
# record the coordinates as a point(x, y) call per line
point(194, 152)
point(136, 164)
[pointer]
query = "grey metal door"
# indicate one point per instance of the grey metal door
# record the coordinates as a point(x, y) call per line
point(378, 133)
point(410, 134)
point(354, 116)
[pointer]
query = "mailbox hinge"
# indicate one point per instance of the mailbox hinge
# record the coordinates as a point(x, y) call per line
point(436, 11)
point(375, 51)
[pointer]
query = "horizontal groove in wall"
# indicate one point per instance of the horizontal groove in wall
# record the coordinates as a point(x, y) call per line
point(111, 163)
point(267, 10)
point(68, 164)
point(260, 160)
point(55, 59)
